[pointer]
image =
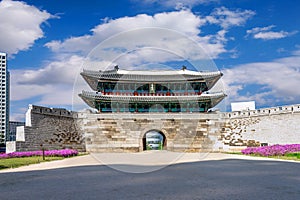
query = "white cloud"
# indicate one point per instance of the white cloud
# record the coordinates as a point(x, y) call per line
point(53, 84)
point(20, 25)
point(58, 83)
point(183, 22)
point(266, 33)
point(133, 41)
point(260, 29)
point(227, 18)
point(177, 4)
point(271, 82)
point(271, 35)
point(186, 23)
point(62, 72)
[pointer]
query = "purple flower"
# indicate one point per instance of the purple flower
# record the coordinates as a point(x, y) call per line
point(62, 153)
point(274, 150)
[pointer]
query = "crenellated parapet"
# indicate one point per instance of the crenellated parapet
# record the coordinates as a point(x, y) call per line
point(264, 112)
point(52, 111)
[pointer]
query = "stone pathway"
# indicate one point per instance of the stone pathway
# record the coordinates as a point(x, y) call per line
point(151, 159)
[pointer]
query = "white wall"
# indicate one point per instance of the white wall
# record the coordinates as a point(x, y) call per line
point(240, 106)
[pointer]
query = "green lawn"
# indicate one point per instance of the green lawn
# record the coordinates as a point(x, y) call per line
point(290, 156)
point(18, 162)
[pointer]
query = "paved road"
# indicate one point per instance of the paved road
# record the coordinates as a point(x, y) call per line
point(232, 178)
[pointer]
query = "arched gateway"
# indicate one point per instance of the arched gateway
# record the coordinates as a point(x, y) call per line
point(154, 140)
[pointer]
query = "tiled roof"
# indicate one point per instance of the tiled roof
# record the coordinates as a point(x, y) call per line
point(150, 76)
point(91, 97)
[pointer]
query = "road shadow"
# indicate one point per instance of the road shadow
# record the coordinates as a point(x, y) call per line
point(224, 179)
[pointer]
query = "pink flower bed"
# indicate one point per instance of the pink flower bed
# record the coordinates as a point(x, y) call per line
point(274, 150)
point(62, 153)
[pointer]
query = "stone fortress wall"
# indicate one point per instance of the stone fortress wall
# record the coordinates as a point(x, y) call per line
point(276, 125)
point(124, 132)
point(49, 128)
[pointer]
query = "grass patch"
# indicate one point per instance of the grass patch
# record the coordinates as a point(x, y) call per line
point(235, 153)
point(289, 156)
point(18, 162)
point(293, 156)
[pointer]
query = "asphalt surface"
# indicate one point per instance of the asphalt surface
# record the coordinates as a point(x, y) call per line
point(206, 179)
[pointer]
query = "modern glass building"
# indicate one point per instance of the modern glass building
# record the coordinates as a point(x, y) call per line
point(11, 136)
point(4, 98)
point(151, 91)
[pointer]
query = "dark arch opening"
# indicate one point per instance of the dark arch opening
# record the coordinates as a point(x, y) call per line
point(154, 140)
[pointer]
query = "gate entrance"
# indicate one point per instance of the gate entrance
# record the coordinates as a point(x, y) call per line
point(154, 140)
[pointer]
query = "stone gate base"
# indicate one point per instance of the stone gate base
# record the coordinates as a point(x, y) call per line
point(125, 132)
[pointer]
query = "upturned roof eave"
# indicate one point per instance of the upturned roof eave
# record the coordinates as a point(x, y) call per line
point(94, 96)
point(172, 77)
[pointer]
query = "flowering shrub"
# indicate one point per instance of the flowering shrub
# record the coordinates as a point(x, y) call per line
point(274, 150)
point(62, 153)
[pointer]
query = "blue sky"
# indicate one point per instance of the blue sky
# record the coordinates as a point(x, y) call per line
point(255, 43)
